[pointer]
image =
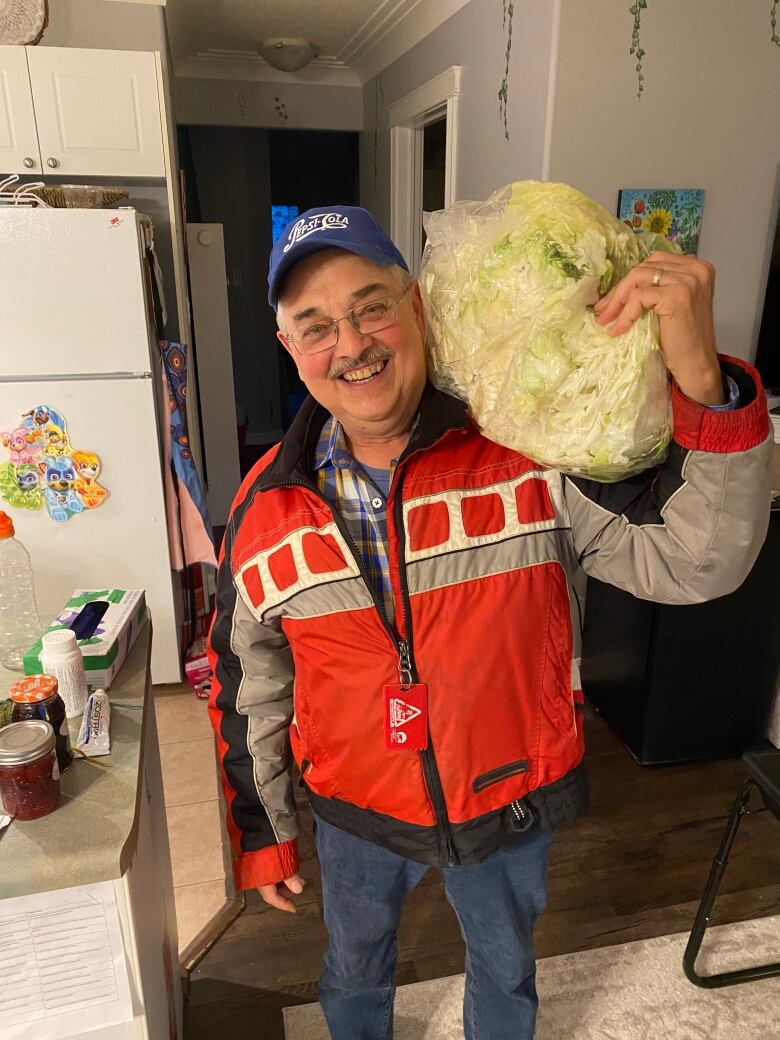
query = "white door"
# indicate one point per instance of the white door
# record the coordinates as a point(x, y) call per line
point(211, 322)
point(19, 151)
point(98, 112)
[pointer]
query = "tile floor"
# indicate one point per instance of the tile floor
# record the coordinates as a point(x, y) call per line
point(193, 807)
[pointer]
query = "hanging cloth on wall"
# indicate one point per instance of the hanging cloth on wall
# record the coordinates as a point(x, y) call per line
point(189, 530)
point(154, 274)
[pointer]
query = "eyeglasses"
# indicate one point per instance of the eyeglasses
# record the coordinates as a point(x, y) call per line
point(368, 318)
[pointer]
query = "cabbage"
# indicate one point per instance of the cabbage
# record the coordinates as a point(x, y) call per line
point(509, 286)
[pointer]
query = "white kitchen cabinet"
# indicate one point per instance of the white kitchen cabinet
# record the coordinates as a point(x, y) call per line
point(97, 111)
point(19, 152)
point(92, 113)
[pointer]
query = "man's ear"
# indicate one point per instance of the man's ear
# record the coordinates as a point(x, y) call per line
point(288, 347)
point(417, 305)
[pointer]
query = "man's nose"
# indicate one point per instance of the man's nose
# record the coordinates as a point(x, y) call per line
point(351, 342)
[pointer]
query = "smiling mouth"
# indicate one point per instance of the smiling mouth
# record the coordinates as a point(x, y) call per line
point(366, 373)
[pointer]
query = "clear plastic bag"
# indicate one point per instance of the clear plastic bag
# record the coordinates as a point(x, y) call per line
point(509, 286)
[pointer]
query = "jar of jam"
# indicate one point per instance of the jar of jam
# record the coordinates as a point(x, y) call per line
point(29, 774)
point(37, 697)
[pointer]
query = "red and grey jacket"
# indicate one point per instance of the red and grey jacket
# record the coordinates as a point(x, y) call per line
point(484, 546)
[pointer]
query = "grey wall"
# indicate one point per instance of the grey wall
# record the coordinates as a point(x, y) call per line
point(243, 103)
point(473, 38)
point(234, 189)
point(106, 26)
point(709, 118)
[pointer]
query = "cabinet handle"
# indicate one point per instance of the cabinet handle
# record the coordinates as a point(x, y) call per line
point(52, 162)
point(28, 163)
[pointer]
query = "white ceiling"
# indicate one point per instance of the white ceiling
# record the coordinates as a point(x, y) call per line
point(355, 39)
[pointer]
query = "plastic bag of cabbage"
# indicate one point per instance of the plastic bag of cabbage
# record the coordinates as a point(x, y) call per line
point(509, 286)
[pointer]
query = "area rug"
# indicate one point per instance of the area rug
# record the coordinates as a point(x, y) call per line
point(635, 991)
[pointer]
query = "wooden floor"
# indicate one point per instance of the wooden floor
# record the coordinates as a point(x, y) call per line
point(633, 868)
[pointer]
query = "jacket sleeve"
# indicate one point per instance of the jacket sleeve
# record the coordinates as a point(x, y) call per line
point(691, 530)
point(251, 707)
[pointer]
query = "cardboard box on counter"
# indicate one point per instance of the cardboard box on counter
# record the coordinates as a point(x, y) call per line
point(106, 623)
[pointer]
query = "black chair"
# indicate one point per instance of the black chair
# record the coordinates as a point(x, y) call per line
point(764, 776)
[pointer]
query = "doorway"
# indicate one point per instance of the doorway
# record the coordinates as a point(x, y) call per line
point(248, 180)
point(423, 159)
point(434, 169)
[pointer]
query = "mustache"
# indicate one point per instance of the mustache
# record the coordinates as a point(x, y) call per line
point(370, 356)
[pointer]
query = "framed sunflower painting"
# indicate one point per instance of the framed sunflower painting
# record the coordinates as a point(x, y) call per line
point(674, 213)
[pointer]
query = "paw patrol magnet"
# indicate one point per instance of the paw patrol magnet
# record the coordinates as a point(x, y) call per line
point(44, 468)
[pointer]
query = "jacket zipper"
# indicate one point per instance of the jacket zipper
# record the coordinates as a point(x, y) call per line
point(406, 664)
point(403, 648)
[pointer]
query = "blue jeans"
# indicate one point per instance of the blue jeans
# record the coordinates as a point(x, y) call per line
point(496, 902)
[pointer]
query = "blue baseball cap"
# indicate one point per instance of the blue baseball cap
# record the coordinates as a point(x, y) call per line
point(328, 227)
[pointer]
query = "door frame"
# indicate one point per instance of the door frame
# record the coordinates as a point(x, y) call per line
point(436, 99)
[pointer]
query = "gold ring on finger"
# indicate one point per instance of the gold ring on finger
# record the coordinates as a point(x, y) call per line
point(658, 276)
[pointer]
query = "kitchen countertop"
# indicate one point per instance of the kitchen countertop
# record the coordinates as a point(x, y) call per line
point(90, 837)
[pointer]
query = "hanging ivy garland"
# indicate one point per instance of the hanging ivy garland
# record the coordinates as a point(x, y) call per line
point(636, 46)
point(636, 49)
point(503, 92)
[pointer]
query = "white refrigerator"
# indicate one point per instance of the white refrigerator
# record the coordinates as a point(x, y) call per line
point(77, 336)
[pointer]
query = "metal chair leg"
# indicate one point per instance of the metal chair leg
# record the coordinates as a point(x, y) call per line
point(727, 978)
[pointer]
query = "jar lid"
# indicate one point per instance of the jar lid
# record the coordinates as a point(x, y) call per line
point(33, 688)
point(59, 641)
point(25, 741)
point(6, 526)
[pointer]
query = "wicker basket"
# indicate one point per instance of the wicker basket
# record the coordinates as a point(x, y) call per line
point(80, 196)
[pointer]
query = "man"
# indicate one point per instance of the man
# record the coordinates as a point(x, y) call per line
point(395, 609)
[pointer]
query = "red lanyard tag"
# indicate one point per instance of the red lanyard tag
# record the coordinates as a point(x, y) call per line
point(406, 716)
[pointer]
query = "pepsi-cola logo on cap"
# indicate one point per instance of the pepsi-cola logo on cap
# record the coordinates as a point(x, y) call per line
point(319, 222)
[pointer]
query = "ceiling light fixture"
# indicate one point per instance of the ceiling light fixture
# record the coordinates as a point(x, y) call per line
point(287, 53)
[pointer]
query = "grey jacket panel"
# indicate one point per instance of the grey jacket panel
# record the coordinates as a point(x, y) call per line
point(265, 696)
point(695, 540)
point(254, 705)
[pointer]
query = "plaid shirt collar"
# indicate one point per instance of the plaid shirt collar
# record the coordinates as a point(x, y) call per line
point(353, 494)
point(332, 446)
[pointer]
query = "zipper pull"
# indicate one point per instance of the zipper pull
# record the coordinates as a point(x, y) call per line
point(522, 818)
point(452, 856)
point(404, 664)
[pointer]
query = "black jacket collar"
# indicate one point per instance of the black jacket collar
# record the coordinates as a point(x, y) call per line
point(293, 463)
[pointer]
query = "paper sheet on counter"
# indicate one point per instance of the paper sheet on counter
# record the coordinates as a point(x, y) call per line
point(62, 964)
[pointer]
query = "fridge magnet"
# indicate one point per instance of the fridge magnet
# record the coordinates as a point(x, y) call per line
point(87, 466)
point(61, 500)
point(23, 446)
point(674, 213)
point(44, 469)
point(20, 485)
point(41, 417)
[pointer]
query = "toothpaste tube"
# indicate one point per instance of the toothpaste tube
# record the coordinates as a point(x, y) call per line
point(93, 734)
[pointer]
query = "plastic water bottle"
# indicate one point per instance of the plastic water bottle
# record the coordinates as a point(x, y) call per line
point(20, 625)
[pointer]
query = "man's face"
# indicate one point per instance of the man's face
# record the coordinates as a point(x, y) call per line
point(370, 382)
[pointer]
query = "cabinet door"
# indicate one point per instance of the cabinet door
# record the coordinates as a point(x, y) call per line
point(18, 137)
point(98, 112)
